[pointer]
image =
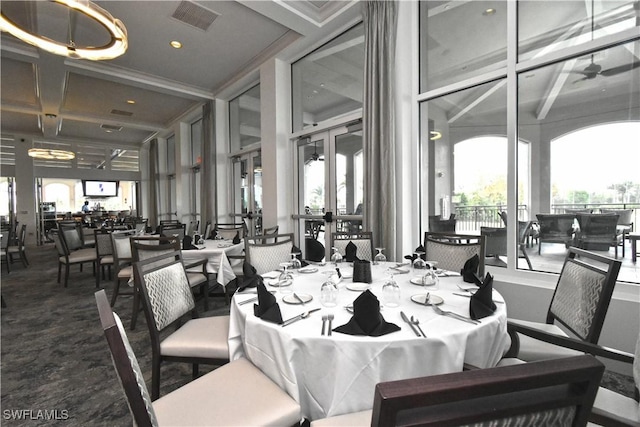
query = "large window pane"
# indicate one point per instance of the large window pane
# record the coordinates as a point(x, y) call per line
point(244, 119)
point(548, 26)
point(329, 81)
point(460, 40)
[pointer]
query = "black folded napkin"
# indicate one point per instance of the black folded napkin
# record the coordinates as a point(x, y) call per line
point(470, 270)
point(351, 252)
point(267, 307)
point(236, 238)
point(251, 277)
point(362, 271)
point(187, 243)
point(366, 319)
point(481, 304)
point(296, 250)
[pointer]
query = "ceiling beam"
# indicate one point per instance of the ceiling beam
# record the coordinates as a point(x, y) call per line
point(490, 91)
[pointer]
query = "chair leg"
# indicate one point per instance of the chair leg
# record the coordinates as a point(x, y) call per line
point(526, 257)
point(116, 290)
point(136, 308)
point(155, 378)
point(98, 276)
point(66, 274)
point(25, 262)
point(196, 371)
point(59, 271)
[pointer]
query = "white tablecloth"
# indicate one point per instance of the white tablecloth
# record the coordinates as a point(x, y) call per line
point(332, 375)
point(215, 252)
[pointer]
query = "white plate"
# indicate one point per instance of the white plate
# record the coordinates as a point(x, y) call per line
point(358, 287)
point(308, 270)
point(225, 245)
point(271, 275)
point(275, 284)
point(290, 299)
point(417, 280)
point(433, 299)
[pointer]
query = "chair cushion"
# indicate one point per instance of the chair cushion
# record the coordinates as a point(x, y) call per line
point(235, 394)
point(125, 272)
point(82, 255)
point(616, 406)
point(203, 337)
point(532, 349)
point(107, 259)
point(196, 279)
point(347, 420)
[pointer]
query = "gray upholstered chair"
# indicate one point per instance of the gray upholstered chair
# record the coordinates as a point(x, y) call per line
point(104, 253)
point(532, 394)
point(496, 243)
point(173, 229)
point(163, 287)
point(579, 304)
point(67, 257)
point(229, 230)
point(599, 232)
point(18, 247)
point(362, 239)
point(267, 256)
point(555, 228)
point(439, 225)
point(237, 393)
point(122, 260)
point(452, 250)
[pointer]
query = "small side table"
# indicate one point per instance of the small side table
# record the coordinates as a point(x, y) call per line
point(633, 239)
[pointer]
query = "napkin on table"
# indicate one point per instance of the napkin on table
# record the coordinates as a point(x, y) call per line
point(296, 250)
point(251, 278)
point(366, 319)
point(236, 238)
point(470, 270)
point(481, 304)
point(187, 243)
point(414, 255)
point(267, 307)
point(351, 252)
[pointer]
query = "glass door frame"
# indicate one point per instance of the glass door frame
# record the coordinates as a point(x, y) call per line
point(252, 219)
point(329, 218)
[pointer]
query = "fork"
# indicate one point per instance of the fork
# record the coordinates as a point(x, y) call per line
point(454, 315)
point(416, 322)
point(324, 322)
point(330, 317)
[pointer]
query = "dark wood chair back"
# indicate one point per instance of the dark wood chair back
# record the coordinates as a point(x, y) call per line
point(530, 394)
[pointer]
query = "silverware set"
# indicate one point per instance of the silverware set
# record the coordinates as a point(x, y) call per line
point(326, 318)
point(299, 317)
point(414, 323)
point(454, 315)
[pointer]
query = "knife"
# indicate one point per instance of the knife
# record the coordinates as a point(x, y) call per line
point(298, 317)
point(469, 296)
point(406, 319)
point(298, 298)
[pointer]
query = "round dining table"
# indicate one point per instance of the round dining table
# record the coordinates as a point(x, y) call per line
point(335, 374)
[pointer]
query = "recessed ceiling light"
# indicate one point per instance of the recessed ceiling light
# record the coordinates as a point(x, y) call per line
point(175, 44)
point(131, 101)
point(490, 11)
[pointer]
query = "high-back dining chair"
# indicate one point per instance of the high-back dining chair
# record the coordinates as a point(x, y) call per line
point(236, 393)
point(18, 247)
point(362, 239)
point(229, 230)
point(104, 252)
point(177, 230)
point(579, 303)
point(122, 259)
point(207, 230)
point(451, 250)
point(540, 394)
point(166, 296)
point(267, 256)
point(67, 257)
point(193, 227)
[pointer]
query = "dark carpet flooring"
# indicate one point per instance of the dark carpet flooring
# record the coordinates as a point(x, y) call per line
point(55, 357)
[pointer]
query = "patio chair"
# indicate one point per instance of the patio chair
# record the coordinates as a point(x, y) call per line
point(237, 393)
point(439, 225)
point(599, 232)
point(267, 256)
point(625, 222)
point(531, 394)
point(496, 243)
point(555, 228)
point(166, 296)
point(452, 250)
point(579, 304)
point(362, 239)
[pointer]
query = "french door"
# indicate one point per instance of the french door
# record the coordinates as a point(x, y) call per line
point(247, 190)
point(329, 187)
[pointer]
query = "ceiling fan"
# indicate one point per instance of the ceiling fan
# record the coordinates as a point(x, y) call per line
point(594, 70)
point(315, 156)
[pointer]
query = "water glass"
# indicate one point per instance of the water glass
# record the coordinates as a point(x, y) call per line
point(295, 262)
point(419, 265)
point(285, 280)
point(380, 257)
point(336, 257)
point(329, 293)
point(430, 280)
point(391, 293)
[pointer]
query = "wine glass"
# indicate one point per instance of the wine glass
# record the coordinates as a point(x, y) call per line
point(391, 291)
point(295, 262)
point(285, 280)
point(419, 265)
point(379, 257)
point(336, 257)
point(430, 280)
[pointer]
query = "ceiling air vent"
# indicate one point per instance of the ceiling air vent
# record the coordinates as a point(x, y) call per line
point(122, 113)
point(194, 15)
point(111, 128)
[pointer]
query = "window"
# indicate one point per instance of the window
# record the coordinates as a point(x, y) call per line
point(574, 122)
point(329, 81)
point(7, 151)
point(244, 119)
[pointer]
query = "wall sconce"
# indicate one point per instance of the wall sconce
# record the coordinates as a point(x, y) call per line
point(435, 135)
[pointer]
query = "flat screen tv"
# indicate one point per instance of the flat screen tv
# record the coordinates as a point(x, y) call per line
point(100, 188)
